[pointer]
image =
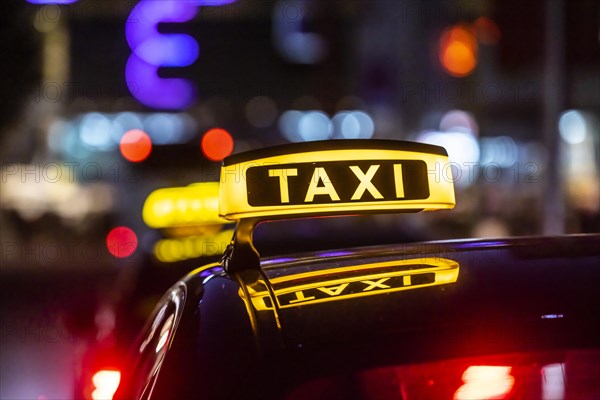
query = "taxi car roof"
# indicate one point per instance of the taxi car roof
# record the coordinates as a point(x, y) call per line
point(511, 295)
point(525, 246)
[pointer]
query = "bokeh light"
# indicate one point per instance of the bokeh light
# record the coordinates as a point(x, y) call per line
point(124, 122)
point(463, 153)
point(288, 125)
point(353, 125)
point(572, 127)
point(458, 51)
point(315, 125)
point(135, 145)
point(459, 120)
point(501, 150)
point(217, 144)
point(121, 242)
point(95, 132)
point(162, 127)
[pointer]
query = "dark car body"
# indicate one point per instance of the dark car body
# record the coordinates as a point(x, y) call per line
point(311, 325)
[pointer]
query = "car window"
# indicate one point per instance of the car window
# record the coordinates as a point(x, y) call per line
point(154, 344)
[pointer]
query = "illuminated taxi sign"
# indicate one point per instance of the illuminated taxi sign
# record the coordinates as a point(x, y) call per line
point(352, 282)
point(334, 177)
point(192, 205)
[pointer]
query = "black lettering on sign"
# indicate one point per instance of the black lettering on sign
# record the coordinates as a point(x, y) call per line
point(337, 182)
point(355, 288)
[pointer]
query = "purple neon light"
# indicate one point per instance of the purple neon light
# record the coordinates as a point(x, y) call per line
point(173, 50)
point(142, 26)
point(153, 91)
point(487, 243)
point(334, 253)
point(51, 1)
point(152, 49)
point(209, 3)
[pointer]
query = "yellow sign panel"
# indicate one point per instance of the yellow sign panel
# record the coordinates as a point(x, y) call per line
point(192, 205)
point(334, 177)
point(352, 282)
point(178, 249)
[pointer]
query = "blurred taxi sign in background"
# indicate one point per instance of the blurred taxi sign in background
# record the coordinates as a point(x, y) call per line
point(189, 218)
point(193, 205)
point(334, 177)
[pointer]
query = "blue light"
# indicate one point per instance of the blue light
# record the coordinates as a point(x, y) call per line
point(487, 243)
point(163, 128)
point(124, 122)
point(334, 253)
point(95, 131)
point(290, 18)
point(277, 260)
point(552, 316)
point(315, 125)
point(353, 125)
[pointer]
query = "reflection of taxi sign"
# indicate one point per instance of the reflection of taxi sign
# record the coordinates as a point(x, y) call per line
point(334, 177)
point(193, 205)
point(351, 282)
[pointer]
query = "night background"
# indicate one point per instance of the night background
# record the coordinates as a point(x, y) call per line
point(104, 101)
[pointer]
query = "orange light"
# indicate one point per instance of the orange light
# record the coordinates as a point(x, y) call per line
point(135, 145)
point(121, 242)
point(106, 383)
point(217, 144)
point(485, 382)
point(458, 51)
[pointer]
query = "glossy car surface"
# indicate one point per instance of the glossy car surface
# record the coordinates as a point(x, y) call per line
point(404, 321)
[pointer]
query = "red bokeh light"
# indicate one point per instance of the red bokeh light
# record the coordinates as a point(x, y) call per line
point(217, 144)
point(121, 242)
point(458, 51)
point(135, 145)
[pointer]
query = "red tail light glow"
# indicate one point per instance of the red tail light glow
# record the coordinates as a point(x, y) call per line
point(485, 382)
point(557, 374)
point(106, 383)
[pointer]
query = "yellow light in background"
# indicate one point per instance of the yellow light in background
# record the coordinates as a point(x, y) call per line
point(185, 248)
point(196, 204)
point(458, 51)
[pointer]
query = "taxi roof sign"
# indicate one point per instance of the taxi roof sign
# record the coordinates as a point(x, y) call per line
point(334, 177)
